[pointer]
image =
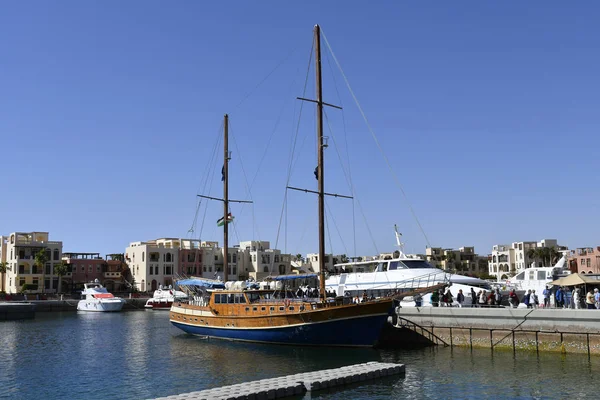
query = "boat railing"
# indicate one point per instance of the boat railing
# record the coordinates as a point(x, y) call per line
point(423, 281)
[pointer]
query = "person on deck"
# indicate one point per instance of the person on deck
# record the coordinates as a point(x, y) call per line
point(435, 298)
point(449, 299)
point(546, 294)
point(560, 297)
point(589, 300)
point(460, 297)
point(527, 298)
point(513, 298)
point(473, 298)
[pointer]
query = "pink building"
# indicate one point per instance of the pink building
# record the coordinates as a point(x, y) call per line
point(585, 260)
point(190, 261)
point(87, 267)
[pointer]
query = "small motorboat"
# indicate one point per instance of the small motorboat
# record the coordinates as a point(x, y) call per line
point(163, 299)
point(95, 297)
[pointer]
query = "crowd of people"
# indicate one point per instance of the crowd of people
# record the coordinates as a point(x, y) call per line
point(483, 298)
point(561, 297)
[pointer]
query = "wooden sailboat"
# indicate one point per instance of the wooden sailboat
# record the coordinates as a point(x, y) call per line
point(277, 316)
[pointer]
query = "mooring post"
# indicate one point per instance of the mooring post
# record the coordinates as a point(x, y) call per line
point(588, 345)
point(471, 337)
point(537, 343)
point(513, 340)
point(451, 337)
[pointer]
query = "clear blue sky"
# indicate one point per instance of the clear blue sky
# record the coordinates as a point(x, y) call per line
point(487, 110)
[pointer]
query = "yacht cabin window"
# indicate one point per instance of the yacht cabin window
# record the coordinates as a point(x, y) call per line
point(521, 276)
point(541, 275)
point(393, 265)
point(412, 264)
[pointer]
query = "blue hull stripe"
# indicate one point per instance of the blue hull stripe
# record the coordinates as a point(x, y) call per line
point(342, 332)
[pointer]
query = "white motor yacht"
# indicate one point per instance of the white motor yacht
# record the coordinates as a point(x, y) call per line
point(402, 273)
point(95, 297)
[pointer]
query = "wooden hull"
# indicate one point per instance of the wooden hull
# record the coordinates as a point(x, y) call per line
point(341, 325)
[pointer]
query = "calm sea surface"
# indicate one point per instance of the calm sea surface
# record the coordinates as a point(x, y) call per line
point(137, 355)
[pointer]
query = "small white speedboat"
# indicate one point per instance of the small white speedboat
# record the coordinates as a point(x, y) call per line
point(163, 299)
point(95, 297)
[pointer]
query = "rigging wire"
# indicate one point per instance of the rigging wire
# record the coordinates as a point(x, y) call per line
point(266, 77)
point(336, 228)
point(293, 146)
point(347, 151)
point(346, 175)
point(210, 166)
point(248, 188)
point(397, 181)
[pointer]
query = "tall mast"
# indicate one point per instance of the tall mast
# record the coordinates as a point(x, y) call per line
point(225, 197)
point(317, 33)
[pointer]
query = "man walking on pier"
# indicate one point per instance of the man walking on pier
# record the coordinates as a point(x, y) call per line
point(546, 294)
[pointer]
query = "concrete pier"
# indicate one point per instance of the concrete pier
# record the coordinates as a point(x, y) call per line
point(297, 384)
point(16, 310)
point(555, 330)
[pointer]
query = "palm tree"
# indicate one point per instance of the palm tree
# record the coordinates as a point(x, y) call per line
point(41, 258)
point(299, 258)
point(3, 268)
point(547, 255)
point(540, 254)
point(344, 258)
point(555, 255)
point(531, 254)
point(450, 257)
point(61, 270)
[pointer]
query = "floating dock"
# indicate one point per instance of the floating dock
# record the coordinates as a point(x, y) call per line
point(298, 384)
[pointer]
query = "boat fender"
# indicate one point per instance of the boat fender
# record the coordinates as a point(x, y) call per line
point(286, 302)
point(302, 307)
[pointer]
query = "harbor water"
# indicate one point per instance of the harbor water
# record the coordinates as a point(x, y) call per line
point(138, 355)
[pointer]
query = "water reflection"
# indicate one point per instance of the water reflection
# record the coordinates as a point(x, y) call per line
point(134, 355)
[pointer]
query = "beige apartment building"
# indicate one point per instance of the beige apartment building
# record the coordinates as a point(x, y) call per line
point(18, 251)
point(162, 261)
point(463, 260)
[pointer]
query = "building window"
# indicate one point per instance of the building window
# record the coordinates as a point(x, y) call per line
point(56, 255)
point(21, 281)
point(21, 269)
point(143, 255)
point(266, 269)
point(48, 269)
point(216, 258)
point(97, 268)
point(234, 257)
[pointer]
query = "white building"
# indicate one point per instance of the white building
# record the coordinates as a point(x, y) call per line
point(507, 260)
point(19, 250)
point(260, 261)
point(153, 263)
point(312, 259)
